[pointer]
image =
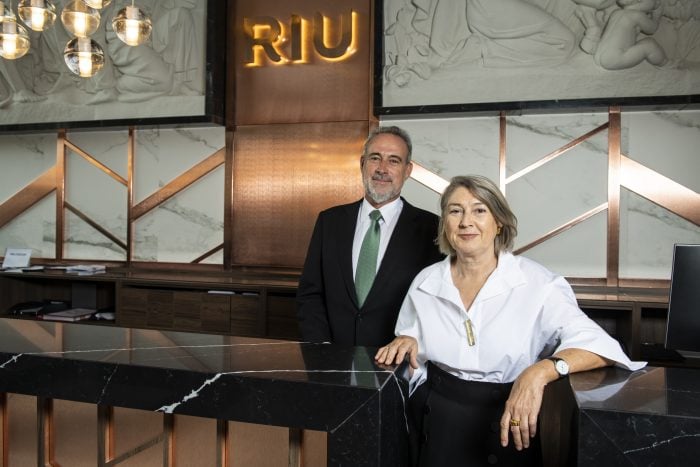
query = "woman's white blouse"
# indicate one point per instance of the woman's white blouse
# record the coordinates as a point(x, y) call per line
point(522, 314)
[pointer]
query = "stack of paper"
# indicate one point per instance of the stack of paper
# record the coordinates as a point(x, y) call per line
point(86, 269)
point(73, 314)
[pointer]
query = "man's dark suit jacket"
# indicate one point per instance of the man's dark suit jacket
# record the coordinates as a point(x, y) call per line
point(326, 299)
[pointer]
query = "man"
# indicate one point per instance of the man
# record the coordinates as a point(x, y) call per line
point(329, 307)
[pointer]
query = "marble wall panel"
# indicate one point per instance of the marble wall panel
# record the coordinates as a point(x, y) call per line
point(97, 195)
point(666, 142)
point(191, 223)
point(184, 227)
point(22, 159)
point(162, 154)
point(572, 184)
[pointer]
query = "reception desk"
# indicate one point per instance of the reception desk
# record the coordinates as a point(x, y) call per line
point(320, 387)
point(615, 417)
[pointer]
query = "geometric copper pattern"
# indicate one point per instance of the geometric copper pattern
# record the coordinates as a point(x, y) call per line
point(53, 180)
point(622, 172)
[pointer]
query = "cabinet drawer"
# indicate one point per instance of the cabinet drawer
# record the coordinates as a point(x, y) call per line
point(246, 316)
point(215, 313)
point(282, 316)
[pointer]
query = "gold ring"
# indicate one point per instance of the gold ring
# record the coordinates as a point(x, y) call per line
point(514, 422)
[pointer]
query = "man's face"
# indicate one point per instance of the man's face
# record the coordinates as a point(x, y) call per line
point(384, 169)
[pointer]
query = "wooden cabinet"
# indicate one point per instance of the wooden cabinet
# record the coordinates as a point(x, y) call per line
point(635, 317)
point(213, 303)
point(263, 304)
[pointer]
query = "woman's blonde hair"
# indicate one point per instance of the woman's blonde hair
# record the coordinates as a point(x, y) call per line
point(488, 193)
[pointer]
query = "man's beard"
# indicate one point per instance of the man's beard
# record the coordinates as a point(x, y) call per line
point(378, 198)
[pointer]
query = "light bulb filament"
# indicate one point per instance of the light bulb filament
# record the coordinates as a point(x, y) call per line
point(37, 18)
point(132, 31)
point(80, 24)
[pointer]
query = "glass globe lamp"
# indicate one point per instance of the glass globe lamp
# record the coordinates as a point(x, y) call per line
point(14, 39)
point(84, 57)
point(132, 26)
point(39, 15)
point(98, 4)
point(79, 19)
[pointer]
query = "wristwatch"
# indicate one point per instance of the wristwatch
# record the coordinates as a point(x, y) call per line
point(560, 365)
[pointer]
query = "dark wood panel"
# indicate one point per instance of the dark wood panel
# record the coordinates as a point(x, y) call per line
point(215, 313)
point(282, 316)
point(245, 313)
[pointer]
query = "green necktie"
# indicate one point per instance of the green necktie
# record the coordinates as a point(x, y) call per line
point(367, 261)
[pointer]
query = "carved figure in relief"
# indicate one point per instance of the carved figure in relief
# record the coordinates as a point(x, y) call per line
point(13, 85)
point(679, 32)
point(620, 46)
point(429, 34)
point(168, 64)
point(592, 14)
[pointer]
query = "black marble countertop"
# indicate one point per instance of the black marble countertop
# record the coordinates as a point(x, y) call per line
point(315, 386)
point(646, 417)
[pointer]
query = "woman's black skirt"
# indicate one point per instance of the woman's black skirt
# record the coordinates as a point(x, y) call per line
point(457, 423)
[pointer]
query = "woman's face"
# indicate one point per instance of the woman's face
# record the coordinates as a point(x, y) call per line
point(469, 225)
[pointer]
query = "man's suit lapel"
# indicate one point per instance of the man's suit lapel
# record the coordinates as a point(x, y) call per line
point(345, 234)
point(399, 243)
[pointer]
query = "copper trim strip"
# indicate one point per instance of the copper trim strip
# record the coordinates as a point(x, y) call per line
point(562, 228)
point(28, 196)
point(222, 440)
point(169, 440)
point(180, 183)
point(427, 178)
point(208, 254)
point(96, 163)
point(502, 128)
point(105, 435)
point(60, 184)
point(554, 154)
point(130, 154)
point(614, 141)
point(228, 200)
point(94, 224)
point(45, 432)
point(295, 446)
point(660, 190)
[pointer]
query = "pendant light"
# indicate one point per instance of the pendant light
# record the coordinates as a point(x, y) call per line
point(14, 39)
point(84, 56)
point(98, 4)
point(132, 26)
point(39, 15)
point(79, 19)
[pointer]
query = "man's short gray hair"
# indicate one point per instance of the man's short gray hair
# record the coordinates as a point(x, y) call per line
point(392, 130)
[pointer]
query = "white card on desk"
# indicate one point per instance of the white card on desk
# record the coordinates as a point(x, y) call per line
point(17, 258)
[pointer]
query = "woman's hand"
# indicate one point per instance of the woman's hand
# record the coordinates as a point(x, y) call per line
point(523, 405)
point(525, 400)
point(396, 351)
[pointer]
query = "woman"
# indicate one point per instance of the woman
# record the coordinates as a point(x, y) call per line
point(476, 327)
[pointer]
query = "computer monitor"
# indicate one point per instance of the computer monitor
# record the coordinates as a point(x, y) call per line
point(683, 322)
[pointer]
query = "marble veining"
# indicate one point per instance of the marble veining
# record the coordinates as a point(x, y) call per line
point(252, 380)
point(648, 417)
point(656, 444)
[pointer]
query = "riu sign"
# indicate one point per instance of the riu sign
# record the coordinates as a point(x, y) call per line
point(271, 41)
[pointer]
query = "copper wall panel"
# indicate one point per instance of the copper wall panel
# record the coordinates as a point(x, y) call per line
point(660, 190)
point(283, 176)
point(28, 196)
point(614, 158)
point(314, 89)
